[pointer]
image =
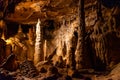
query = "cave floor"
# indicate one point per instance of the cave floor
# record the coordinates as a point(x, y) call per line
point(62, 74)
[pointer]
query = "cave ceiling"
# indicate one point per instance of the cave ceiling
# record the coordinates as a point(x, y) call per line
point(27, 12)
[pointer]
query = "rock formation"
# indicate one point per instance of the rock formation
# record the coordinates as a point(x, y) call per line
point(39, 55)
point(72, 34)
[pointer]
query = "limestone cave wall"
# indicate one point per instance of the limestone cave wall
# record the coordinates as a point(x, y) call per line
point(59, 23)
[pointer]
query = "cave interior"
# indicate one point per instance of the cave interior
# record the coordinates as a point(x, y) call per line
point(59, 40)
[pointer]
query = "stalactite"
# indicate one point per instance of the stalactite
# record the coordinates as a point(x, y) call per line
point(71, 46)
point(99, 40)
point(100, 47)
point(38, 56)
point(60, 41)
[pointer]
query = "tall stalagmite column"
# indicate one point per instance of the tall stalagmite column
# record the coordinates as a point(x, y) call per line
point(80, 50)
point(38, 56)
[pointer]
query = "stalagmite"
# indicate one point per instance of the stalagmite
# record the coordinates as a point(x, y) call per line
point(4, 29)
point(19, 45)
point(38, 56)
point(20, 29)
point(31, 44)
point(45, 50)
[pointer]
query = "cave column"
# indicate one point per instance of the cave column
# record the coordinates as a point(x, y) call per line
point(38, 56)
point(80, 50)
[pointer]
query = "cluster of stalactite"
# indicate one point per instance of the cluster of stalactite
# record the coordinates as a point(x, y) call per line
point(65, 42)
point(101, 37)
point(101, 42)
point(100, 48)
point(21, 44)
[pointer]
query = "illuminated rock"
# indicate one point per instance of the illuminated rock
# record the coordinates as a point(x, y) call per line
point(38, 56)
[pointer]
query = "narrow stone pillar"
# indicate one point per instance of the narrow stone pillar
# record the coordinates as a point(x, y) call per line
point(45, 49)
point(38, 56)
point(80, 49)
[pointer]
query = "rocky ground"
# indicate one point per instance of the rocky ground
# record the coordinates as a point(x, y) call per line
point(46, 71)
